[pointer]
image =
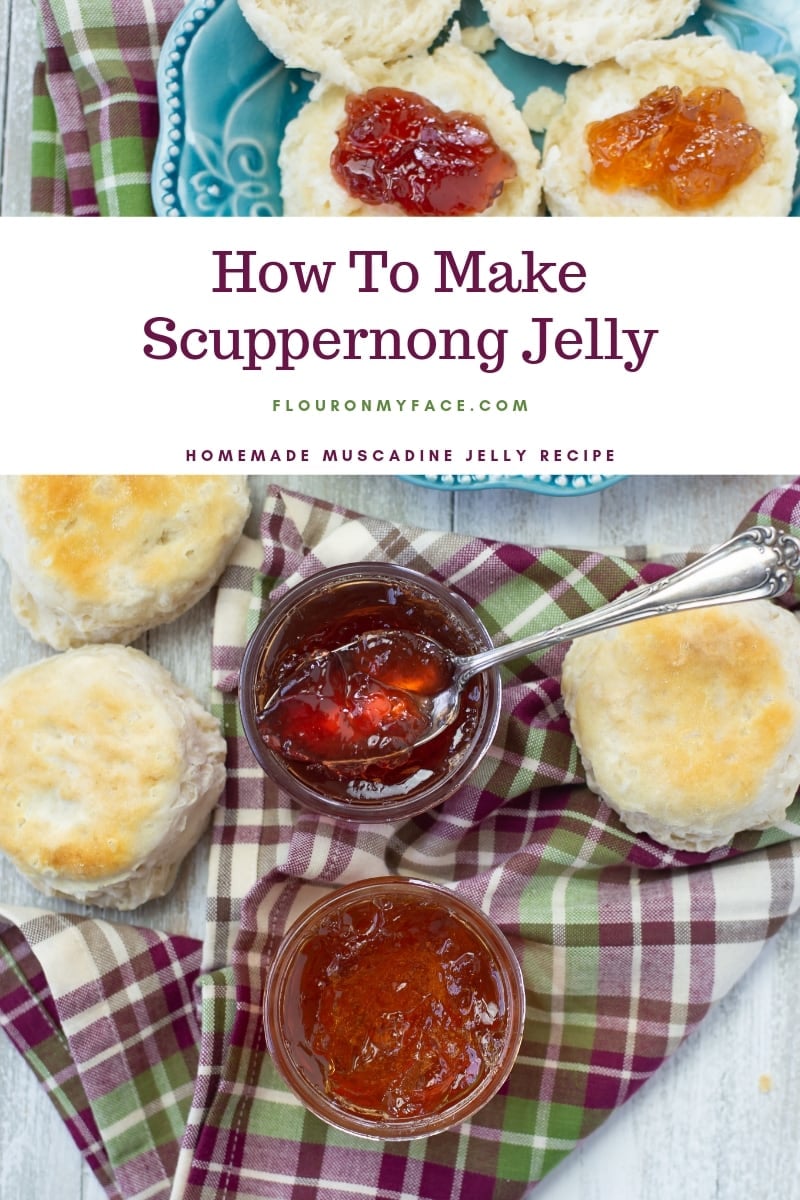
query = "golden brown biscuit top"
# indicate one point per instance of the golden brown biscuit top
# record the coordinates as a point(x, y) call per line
point(90, 761)
point(94, 535)
point(698, 701)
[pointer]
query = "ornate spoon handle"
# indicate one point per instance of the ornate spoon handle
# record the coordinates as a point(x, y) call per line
point(761, 562)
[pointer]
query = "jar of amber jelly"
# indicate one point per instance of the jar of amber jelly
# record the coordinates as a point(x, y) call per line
point(328, 610)
point(394, 1009)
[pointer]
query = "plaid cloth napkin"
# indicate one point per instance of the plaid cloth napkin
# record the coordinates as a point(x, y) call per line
point(624, 944)
point(95, 108)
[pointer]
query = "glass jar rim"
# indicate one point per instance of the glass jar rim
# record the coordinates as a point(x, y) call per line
point(272, 764)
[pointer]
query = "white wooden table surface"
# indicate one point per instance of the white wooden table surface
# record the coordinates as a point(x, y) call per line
point(720, 1120)
point(18, 53)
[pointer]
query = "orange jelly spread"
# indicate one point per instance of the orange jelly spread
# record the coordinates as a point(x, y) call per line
point(401, 1008)
point(689, 150)
point(396, 147)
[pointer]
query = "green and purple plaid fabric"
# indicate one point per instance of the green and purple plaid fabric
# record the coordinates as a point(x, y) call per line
point(624, 944)
point(95, 109)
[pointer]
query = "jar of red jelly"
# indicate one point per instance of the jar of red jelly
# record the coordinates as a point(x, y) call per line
point(394, 1009)
point(328, 610)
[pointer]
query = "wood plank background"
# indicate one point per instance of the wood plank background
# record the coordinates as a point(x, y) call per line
point(18, 53)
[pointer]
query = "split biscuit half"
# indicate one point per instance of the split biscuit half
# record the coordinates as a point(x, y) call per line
point(453, 78)
point(345, 41)
point(583, 32)
point(618, 86)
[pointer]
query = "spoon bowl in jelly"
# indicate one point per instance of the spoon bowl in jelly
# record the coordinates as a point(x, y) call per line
point(388, 691)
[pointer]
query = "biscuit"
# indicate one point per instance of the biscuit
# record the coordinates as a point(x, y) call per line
point(618, 86)
point(454, 79)
point(108, 774)
point(102, 558)
point(583, 32)
point(342, 41)
point(688, 724)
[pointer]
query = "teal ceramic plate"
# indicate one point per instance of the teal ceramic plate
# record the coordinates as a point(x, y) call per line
point(225, 101)
point(543, 485)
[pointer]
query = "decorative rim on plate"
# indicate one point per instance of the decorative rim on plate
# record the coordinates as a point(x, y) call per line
point(208, 121)
point(172, 116)
point(543, 485)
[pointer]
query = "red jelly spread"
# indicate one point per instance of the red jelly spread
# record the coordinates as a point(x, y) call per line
point(688, 150)
point(396, 147)
point(359, 702)
point(343, 701)
point(401, 1008)
point(330, 712)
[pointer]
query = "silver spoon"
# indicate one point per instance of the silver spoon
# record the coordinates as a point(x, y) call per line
point(759, 563)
